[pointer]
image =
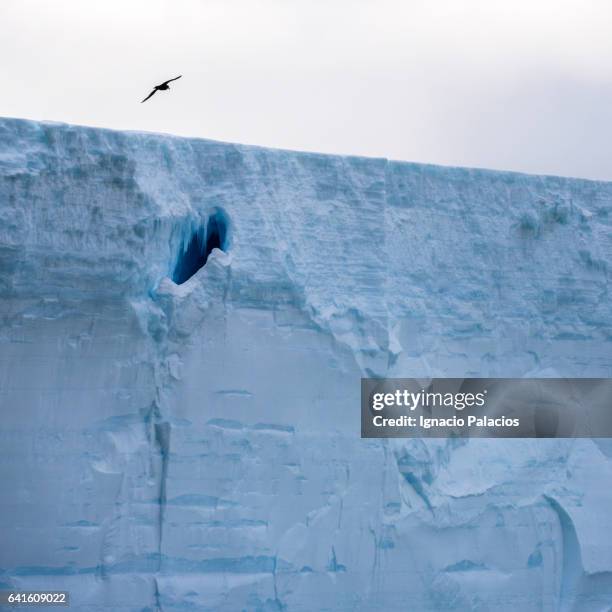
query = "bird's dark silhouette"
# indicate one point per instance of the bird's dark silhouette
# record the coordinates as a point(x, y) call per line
point(163, 87)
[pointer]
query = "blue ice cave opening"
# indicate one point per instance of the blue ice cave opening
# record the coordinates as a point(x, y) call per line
point(198, 245)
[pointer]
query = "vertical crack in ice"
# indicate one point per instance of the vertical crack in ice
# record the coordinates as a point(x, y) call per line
point(162, 440)
point(571, 562)
point(158, 429)
point(165, 328)
point(158, 435)
point(277, 601)
point(157, 596)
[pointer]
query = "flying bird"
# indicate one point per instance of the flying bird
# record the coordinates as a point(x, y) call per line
point(163, 87)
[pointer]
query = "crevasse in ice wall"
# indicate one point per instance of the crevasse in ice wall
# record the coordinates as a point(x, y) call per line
point(169, 446)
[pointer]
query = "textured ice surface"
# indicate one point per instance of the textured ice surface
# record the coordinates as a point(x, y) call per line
point(196, 446)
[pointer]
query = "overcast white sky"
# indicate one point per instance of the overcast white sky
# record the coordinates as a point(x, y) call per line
point(514, 84)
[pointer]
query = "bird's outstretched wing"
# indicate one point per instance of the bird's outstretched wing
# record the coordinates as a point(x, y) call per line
point(170, 80)
point(148, 96)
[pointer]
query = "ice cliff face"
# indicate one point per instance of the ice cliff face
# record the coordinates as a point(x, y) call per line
point(171, 446)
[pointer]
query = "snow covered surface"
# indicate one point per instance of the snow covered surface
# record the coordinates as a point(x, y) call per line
point(196, 446)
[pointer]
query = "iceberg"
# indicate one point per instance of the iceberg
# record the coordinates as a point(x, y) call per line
point(185, 324)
